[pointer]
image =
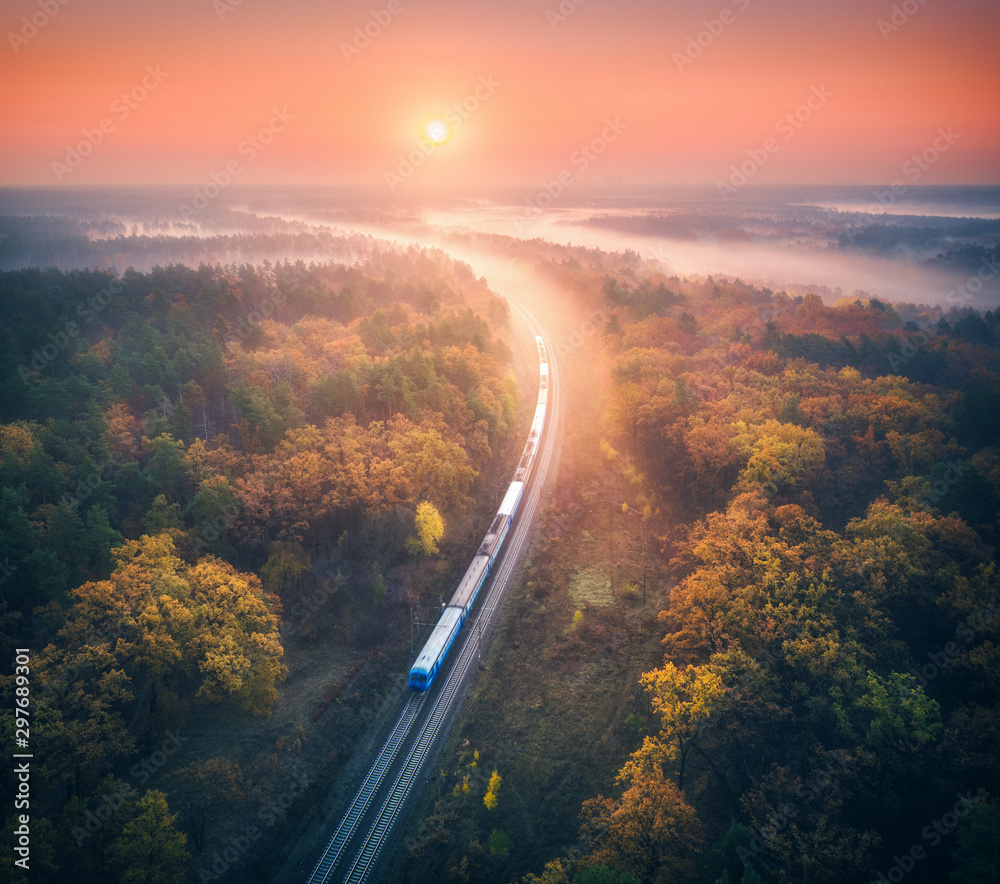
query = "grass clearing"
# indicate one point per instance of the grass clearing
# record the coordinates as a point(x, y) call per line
point(591, 587)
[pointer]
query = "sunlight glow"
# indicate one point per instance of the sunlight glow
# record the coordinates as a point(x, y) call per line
point(436, 131)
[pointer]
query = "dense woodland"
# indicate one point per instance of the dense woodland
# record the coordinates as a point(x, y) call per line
point(183, 455)
point(812, 490)
point(825, 484)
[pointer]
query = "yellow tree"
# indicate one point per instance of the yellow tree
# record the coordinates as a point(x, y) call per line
point(624, 413)
point(16, 442)
point(490, 799)
point(430, 529)
point(169, 626)
point(779, 454)
point(683, 698)
point(555, 872)
point(436, 468)
point(236, 642)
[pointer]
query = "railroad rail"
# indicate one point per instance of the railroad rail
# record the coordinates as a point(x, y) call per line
point(422, 720)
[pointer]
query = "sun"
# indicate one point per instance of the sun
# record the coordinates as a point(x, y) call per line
point(436, 131)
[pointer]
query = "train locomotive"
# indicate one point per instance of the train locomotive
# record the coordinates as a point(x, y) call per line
point(431, 657)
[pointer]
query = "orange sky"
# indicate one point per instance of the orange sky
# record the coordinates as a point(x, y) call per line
point(227, 65)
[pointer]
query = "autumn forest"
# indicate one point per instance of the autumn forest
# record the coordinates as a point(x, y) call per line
point(756, 637)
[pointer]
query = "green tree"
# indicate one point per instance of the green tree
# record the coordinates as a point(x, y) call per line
point(285, 564)
point(976, 855)
point(604, 875)
point(150, 849)
point(208, 792)
point(167, 468)
point(379, 588)
point(499, 843)
point(162, 516)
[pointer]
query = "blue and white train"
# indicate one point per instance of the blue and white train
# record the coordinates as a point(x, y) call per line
point(430, 659)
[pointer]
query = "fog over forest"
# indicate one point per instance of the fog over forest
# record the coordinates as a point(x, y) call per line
point(918, 248)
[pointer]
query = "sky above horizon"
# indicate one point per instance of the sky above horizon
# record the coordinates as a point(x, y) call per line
point(536, 93)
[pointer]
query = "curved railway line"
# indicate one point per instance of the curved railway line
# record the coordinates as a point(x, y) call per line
point(356, 846)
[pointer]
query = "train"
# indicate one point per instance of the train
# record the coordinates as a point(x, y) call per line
point(431, 657)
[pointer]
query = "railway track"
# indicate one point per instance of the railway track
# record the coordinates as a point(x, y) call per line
point(352, 853)
point(376, 774)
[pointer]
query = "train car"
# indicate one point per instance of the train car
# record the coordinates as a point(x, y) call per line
point(523, 472)
point(531, 448)
point(428, 663)
point(501, 521)
point(511, 501)
point(471, 583)
point(526, 464)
